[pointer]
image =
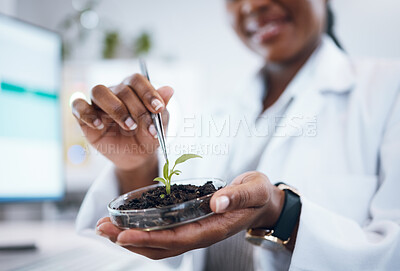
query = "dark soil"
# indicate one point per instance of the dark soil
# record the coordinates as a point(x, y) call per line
point(179, 193)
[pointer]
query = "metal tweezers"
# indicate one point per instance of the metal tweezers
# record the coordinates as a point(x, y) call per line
point(157, 120)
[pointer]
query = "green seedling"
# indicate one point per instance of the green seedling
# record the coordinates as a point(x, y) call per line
point(169, 173)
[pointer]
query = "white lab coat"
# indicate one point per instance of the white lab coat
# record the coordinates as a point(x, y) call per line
point(337, 142)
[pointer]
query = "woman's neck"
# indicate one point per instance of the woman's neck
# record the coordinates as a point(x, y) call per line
point(277, 76)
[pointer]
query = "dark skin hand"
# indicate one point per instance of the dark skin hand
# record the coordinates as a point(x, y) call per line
point(253, 202)
point(118, 124)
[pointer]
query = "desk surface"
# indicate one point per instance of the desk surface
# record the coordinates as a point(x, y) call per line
point(53, 238)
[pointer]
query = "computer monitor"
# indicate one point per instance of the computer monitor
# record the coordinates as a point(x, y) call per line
point(31, 156)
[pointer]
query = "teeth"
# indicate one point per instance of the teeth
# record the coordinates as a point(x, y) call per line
point(269, 28)
point(252, 26)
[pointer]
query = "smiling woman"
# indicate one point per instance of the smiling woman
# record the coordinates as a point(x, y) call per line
point(345, 171)
point(279, 31)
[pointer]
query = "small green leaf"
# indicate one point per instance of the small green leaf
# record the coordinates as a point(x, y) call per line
point(165, 170)
point(168, 175)
point(185, 157)
point(159, 179)
point(177, 172)
point(162, 196)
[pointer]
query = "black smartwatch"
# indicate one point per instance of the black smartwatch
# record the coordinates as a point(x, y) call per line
point(279, 235)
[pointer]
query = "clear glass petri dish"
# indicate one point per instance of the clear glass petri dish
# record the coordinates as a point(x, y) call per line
point(164, 217)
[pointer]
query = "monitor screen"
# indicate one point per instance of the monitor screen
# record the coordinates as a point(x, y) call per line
point(31, 159)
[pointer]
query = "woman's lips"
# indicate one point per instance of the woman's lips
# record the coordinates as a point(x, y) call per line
point(266, 32)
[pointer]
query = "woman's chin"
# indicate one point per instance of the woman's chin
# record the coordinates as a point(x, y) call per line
point(273, 54)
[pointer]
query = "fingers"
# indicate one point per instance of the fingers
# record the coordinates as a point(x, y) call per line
point(155, 253)
point(136, 108)
point(172, 242)
point(112, 106)
point(146, 93)
point(251, 189)
point(132, 238)
point(166, 93)
point(190, 236)
point(108, 230)
point(151, 239)
point(86, 114)
point(103, 220)
point(193, 235)
point(129, 105)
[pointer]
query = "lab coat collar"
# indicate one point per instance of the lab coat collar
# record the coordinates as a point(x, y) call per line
point(307, 92)
point(319, 74)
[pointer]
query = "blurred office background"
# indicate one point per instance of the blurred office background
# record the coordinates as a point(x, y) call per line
point(189, 45)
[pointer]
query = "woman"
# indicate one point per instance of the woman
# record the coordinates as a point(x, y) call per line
point(345, 166)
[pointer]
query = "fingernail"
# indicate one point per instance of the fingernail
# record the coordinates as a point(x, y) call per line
point(76, 114)
point(98, 222)
point(156, 104)
point(152, 130)
point(130, 123)
point(221, 203)
point(98, 228)
point(125, 244)
point(98, 124)
point(99, 232)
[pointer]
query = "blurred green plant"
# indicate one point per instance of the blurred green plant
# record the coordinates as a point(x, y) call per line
point(142, 44)
point(110, 44)
point(76, 27)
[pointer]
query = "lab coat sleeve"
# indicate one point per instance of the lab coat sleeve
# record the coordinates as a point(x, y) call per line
point(330, 241)
point(94, 206)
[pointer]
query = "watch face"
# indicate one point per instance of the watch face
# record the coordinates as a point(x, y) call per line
point(264, 243)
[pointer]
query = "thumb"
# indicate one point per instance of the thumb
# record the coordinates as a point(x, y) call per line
point(165, 93)
point(247, 190)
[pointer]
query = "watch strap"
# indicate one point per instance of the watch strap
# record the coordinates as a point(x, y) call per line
point(289, 216)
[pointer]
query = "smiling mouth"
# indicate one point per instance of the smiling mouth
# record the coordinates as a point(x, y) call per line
point(267, 31)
